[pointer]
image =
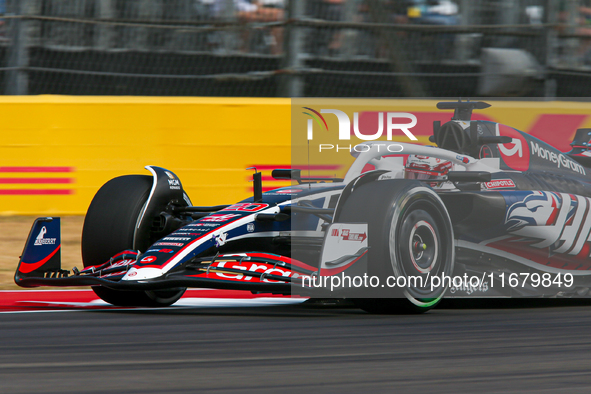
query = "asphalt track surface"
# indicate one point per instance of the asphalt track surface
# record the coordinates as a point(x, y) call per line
point(492, 348)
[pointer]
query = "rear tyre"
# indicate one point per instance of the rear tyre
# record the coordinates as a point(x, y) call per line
point(109, 228)
point(410, 239)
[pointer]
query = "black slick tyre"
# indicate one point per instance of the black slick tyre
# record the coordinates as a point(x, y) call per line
point(109, 228)
point(410, 239)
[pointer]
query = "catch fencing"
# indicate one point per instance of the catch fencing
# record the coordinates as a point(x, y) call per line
point(303, 48)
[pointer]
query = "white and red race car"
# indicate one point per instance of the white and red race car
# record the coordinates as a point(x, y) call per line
point(490, 212)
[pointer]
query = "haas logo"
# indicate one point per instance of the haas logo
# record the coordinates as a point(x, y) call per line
point(516, 153)
point(220, 240)
point(553, 220)
point(537, 209)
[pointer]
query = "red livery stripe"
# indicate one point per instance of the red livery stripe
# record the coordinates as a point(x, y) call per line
point(36, 169)
point(25, 268)
point(35, 192)
point(36, 180)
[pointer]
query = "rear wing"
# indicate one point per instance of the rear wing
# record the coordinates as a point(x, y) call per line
point(41, 257)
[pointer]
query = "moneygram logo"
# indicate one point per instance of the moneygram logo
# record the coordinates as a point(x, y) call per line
point(345, 124)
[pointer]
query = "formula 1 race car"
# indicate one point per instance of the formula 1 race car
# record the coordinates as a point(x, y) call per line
point(490, 212)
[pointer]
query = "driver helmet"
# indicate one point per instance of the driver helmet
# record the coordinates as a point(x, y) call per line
point(425, 167)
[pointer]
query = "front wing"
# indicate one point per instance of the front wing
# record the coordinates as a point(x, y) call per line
point(262, 272)
point(40, 265)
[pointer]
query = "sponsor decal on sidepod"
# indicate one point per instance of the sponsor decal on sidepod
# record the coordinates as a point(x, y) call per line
point(500, 184)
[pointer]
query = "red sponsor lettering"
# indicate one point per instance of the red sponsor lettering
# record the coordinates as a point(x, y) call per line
point(246, 207)
point(499, 184)
point(122, 263)
point(218, 218)
point(269, 269)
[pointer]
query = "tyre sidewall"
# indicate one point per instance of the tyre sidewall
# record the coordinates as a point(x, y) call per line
point(420, 198)
point(384, 206)
point(109, 228)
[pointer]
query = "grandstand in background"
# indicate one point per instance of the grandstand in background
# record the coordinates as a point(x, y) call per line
point(311, 48)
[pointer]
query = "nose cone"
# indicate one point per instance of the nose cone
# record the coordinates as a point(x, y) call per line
point(142, 273)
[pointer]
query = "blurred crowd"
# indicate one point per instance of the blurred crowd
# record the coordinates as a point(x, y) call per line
point(260, 28)
point(323, 41)
point(576, 21)
point(574, 18)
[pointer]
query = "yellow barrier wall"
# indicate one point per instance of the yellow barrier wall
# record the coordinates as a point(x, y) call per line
point(73, 145)
point(56, 151)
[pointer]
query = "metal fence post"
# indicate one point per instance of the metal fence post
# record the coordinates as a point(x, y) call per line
point(551, 10)
point(407, 78)
point(292, 83)
point(230, 35)
point(105, 9)
point(348, 46)
point(17, 78)
point(146, 11)
point(464, 39)
point(571, 44)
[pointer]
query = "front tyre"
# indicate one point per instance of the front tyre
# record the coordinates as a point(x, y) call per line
point(410, 240)
point(109, 228)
